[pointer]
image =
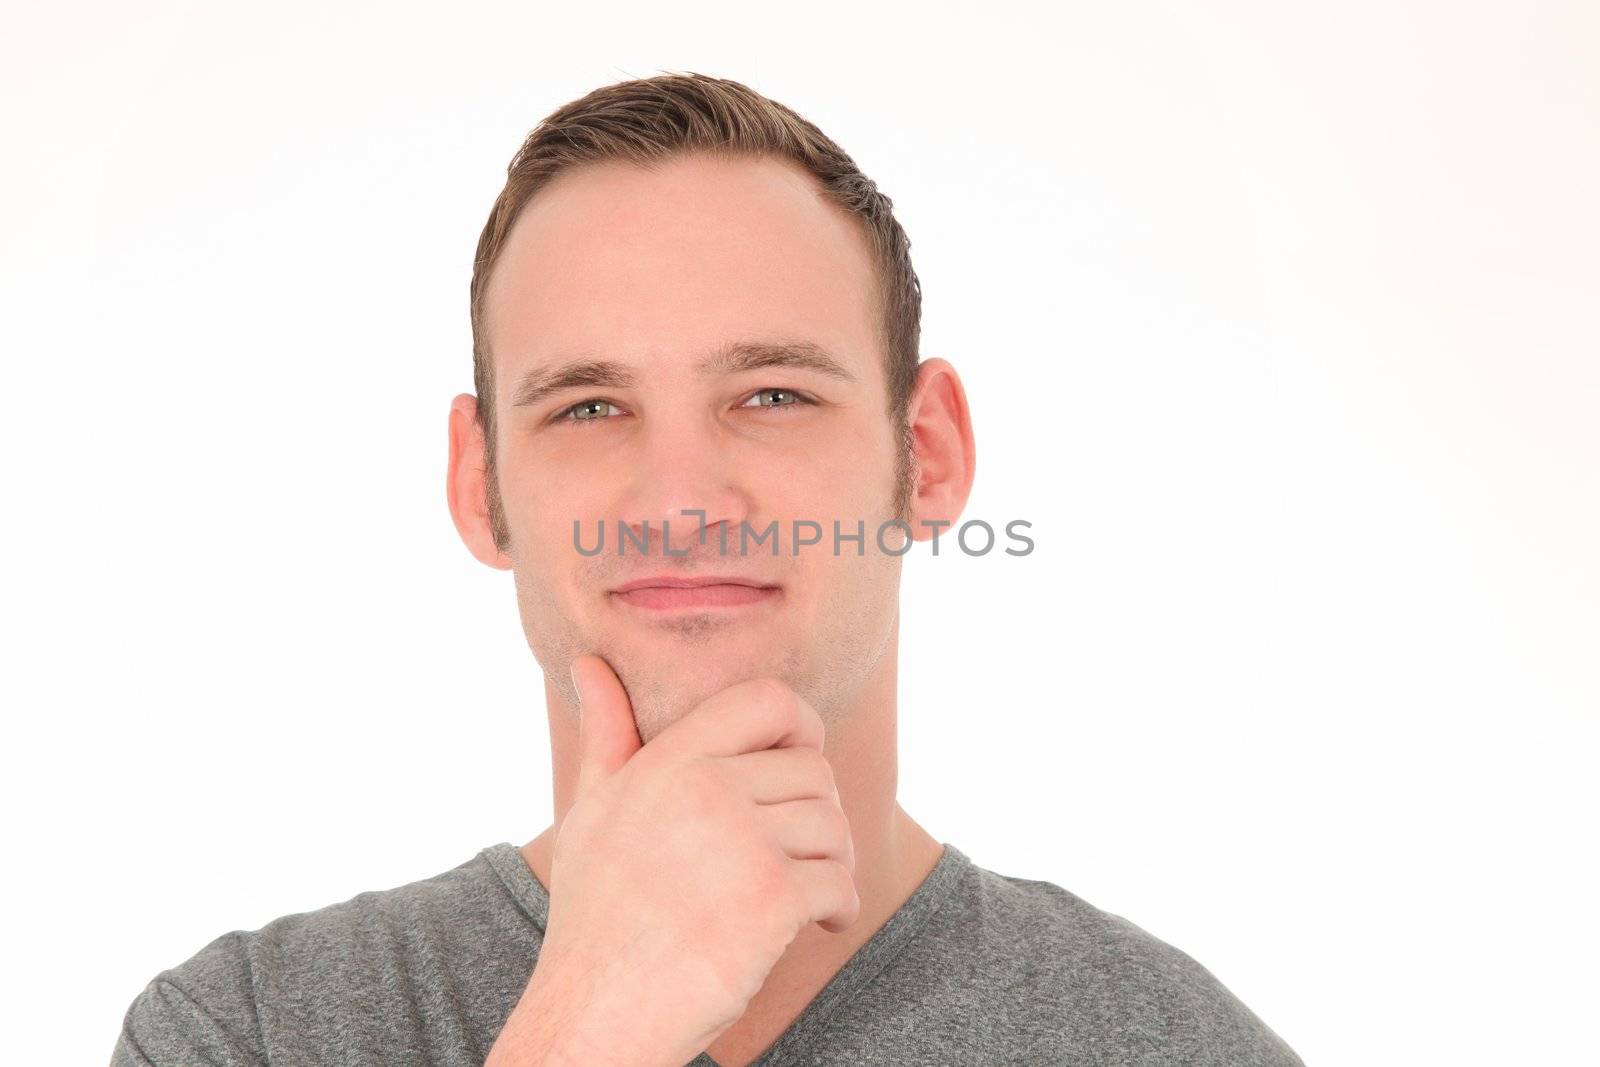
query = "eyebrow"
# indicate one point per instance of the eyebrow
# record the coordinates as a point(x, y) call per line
point(731, 358)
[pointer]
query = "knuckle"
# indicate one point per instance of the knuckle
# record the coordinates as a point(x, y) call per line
point(843, 837)
point(773, 693)
point(820, 771)
point(844, 881)
point(838, 822)
point(767, 877)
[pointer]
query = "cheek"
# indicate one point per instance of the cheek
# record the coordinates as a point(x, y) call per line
point(542, 501)
point(846, 478)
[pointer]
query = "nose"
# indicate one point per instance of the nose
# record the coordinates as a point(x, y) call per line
point(686, 479)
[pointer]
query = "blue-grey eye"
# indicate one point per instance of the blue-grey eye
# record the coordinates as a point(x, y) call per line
point(591, 410)
point(772, 398)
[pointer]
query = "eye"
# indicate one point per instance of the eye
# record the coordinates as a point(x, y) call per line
point(776, 398)
point(593, 410)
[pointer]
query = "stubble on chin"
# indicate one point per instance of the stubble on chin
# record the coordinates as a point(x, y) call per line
point(664, 690)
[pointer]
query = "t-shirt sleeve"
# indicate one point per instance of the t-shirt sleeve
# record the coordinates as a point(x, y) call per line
point(1225, 1032)
point(202, 1011)
point(1181, 1007)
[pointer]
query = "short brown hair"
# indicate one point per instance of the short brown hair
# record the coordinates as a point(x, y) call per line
point(647, 120)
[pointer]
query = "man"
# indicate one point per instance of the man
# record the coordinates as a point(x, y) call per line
point(700, 440)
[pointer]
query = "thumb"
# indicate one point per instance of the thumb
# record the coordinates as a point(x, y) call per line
point(607, 734)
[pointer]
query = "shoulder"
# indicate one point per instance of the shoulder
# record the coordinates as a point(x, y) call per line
point(311, 972)
point(1143, 999)
point(200, 1011)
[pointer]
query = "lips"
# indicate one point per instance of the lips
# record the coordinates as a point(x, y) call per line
point(669, 592)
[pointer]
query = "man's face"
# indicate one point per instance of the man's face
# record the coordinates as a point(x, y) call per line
point(653, 274)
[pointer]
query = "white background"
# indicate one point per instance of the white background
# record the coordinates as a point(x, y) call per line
point(1278, 321)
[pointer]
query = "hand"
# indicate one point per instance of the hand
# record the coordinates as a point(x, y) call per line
point(685, 868)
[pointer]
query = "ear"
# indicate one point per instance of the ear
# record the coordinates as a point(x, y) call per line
point(942, 447)
point(467, 483)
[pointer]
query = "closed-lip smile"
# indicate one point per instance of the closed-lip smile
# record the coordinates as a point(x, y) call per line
point(668, 592)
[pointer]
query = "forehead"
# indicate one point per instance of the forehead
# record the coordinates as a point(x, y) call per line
point(658, 267)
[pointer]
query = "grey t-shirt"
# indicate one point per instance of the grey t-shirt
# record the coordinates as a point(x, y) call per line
point(975, 968)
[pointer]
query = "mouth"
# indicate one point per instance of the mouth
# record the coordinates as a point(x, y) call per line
point(706, 592)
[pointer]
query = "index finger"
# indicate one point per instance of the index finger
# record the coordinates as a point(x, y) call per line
point(749, 716)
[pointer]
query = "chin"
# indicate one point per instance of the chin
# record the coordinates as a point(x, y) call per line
point(675, 677)
point(714, 666)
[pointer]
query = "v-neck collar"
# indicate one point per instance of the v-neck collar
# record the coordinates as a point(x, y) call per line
point(868, 961)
